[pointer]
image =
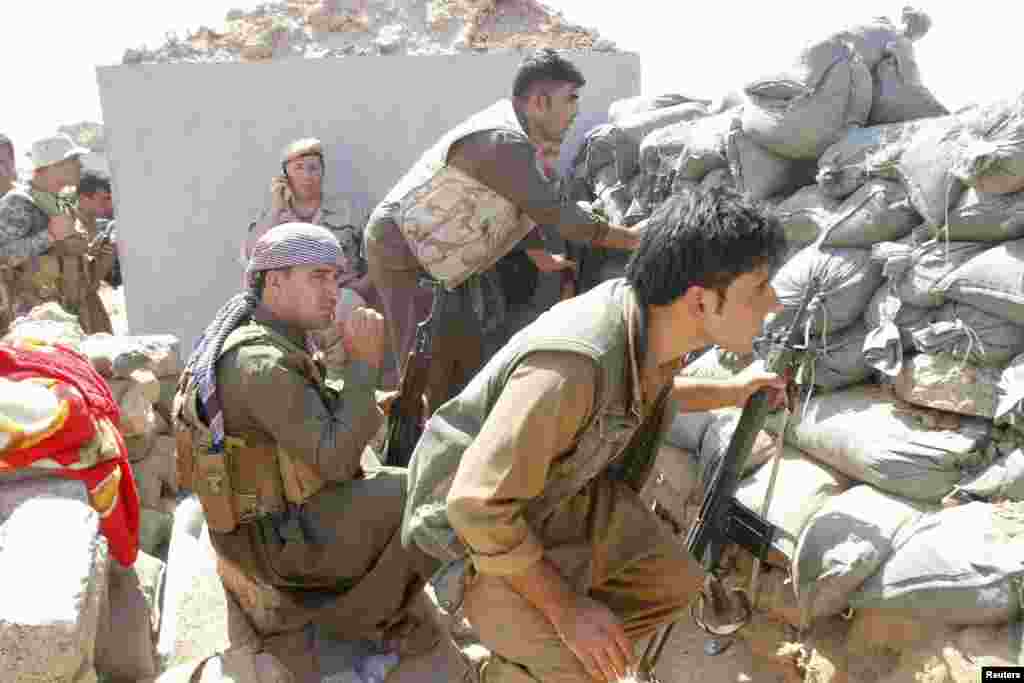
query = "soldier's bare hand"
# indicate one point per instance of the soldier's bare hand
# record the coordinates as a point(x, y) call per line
point(280, 193)
point(61, 226)
point(363, 336)
point(754, 378)
point(595, 635)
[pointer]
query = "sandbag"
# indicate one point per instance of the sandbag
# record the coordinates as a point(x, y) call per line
point(944, 381)
point(716, 363)
point(871, 40)
point(843, 544)
point(665, 144)
point(716, 440)
point(980, 217)
point(639, 126)
point(877, 212)
point(1003, 479)
point(872, 436)
point(686, 431)
point(970, 334)
point(898, 94)
point(606, 147)
point(758, 173)
point(960, 565)
point(993, 160)
point(720, 178)
point(844, 166)
point(925, 165)
point(799, 112)
point(704, 147)
point(630, 106)
point(886, 306)
point(838, 360)
point(916, 271)
point(992, 281)
point(848, 279)
point(1011, 393)
point(802, 486)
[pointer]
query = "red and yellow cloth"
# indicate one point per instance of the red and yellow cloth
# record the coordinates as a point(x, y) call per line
point(57, 414)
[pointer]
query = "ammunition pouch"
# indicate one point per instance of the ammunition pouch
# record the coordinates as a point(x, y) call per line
point(245, 482)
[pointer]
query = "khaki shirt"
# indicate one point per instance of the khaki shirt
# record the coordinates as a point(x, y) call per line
point(262, 398)
point(542, 411)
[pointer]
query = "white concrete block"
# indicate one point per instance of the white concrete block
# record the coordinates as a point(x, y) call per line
point(53, 565)
point(198, 618)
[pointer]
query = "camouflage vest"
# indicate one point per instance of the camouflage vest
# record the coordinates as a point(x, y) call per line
point(47, 277)
point(253, 477)
point(592, 325)
point(455, 225)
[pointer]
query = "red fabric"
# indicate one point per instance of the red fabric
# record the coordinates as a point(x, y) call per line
point(92, 414)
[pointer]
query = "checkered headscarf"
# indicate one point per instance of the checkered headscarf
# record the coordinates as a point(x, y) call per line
point(290, 244)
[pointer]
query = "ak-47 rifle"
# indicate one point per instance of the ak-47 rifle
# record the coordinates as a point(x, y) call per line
point(405, 420)
point(722, 519)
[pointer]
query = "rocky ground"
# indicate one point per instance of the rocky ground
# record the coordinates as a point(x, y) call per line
point(339, 28)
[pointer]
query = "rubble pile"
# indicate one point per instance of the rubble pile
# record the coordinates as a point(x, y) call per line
point(899, 497)
point(104, 617)
point(339, 28)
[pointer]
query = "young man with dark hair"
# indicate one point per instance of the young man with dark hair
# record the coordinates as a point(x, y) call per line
point(484, 170)
point(95, 212)
point(530, 474)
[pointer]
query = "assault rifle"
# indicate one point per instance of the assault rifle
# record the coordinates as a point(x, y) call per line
point(405, 420)
point(722, 519)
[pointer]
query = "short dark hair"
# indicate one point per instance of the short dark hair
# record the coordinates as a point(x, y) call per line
point(545, 66)
point(705, 238)
point(92, 182)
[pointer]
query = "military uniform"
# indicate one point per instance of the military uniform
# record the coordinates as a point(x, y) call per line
point(35, 270)
point(493, 175)
point(542, 455)
point(304, 515)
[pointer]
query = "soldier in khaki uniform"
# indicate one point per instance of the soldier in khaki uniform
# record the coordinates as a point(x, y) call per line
point(530, 474)
point(297, 195)
point(274, 451)
point(44, 255)
point(493, 156)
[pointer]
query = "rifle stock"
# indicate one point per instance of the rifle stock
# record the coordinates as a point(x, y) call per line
point(407, 412)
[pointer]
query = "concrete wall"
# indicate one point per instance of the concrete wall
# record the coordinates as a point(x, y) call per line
point(192, 148)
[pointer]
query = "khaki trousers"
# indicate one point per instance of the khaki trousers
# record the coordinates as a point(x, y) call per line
point(457, 351)
point(608, 546)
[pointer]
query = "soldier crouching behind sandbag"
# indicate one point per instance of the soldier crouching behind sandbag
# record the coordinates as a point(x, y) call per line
point(273, 450)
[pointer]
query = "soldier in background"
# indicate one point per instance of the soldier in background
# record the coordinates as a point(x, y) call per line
point(95, 212)
point(297, 195)
point(493, 157)
point(44, 254)
point(8, 169)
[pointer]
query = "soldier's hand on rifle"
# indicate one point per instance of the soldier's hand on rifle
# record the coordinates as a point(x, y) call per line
point(61, 226)
point(595, 635)
point(754, 378)
point(280, 193)
point(362, 335)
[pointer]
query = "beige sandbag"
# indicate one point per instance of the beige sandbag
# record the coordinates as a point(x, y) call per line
point(844, 166)
point(802, 486)
point(899, 95)
point(944, 382)
point(875, 437)
point(843, 544)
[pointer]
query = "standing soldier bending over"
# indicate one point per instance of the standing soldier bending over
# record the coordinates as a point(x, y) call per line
point(546, 448)
point(273, 450)
point(485, 169)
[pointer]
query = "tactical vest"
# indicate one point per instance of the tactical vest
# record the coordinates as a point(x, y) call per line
point(47, 277)
point(253, 477)
point(592, 325)
point(455, 225)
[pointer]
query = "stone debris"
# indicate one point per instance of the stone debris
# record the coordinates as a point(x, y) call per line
point(51, 610)
point(340, 28)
